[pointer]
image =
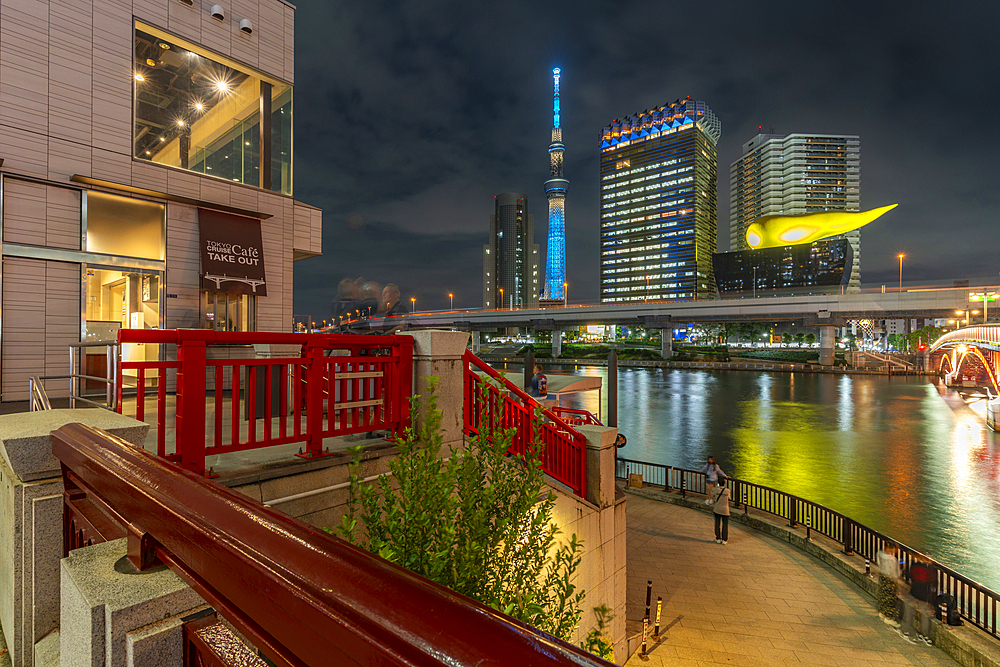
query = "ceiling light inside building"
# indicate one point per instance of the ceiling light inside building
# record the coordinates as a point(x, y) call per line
point(180, 122)
point(164, 46)
point(139, 77)
point(222, 86)
point(150, 62)
point(199, 106)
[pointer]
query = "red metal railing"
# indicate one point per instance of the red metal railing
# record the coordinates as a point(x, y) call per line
point(231, 405)
point(564, 450)
point(577, 417)
point(301, 596)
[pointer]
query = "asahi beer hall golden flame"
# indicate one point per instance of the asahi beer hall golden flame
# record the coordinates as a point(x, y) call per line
point(775, 231)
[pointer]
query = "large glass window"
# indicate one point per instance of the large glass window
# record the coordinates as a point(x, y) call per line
point(202, 112)
point(125, 226)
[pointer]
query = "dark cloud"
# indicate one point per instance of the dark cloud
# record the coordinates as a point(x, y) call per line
point(410, 116)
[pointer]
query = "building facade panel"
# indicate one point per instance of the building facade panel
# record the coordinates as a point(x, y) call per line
point(70, 118)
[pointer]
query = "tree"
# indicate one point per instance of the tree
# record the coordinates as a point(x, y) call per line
point(810, 338)
point(749, 331)
point(799, 337)
point(476, 521)
point(925, 336)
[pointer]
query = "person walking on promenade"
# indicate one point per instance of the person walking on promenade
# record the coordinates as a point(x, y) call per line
point(719, 500)
point(712, 473)
point(888, 576)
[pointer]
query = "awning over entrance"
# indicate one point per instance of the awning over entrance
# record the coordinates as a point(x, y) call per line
point(232, 253)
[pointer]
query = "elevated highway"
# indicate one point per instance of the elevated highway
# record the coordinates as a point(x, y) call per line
point(824, 311)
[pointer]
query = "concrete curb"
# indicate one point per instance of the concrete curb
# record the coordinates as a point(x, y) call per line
point(967, 645)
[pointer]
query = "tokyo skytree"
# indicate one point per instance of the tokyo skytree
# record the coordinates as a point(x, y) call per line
point(555, 190)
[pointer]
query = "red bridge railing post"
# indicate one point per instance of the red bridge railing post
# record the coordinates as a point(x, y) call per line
point(191, 396)
point(315, 365)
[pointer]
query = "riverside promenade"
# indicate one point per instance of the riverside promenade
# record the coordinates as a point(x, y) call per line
point(755, 601)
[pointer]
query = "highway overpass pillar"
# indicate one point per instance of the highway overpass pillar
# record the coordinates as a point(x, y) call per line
point(556, 343)
point(666, 343)
point(475, 342)
point(827, 341)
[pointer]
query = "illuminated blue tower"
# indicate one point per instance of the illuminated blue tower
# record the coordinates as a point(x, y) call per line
point(555, 190)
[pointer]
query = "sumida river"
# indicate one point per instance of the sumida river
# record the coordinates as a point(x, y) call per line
point(899, 455)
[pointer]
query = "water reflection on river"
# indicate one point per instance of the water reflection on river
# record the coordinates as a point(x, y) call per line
point(895, 454)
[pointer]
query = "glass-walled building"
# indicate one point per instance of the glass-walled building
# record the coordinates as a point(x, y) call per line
point(145, 180)
point(823, 267)
point(658, 204)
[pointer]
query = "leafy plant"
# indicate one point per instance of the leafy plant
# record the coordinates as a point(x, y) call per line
point(477, 521)
point(595, 641)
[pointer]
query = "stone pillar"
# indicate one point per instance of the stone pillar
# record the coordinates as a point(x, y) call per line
point(666, 343)
point(600, 464)
point(439, 353)
point(556, 343)
point(114, 616)
point(529, 368)
point(614, 333)
point(827, 342)
point(31, 524)
point(612, 389)
point(476, 345)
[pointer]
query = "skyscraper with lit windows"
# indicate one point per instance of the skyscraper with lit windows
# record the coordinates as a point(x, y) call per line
point(510, 259)
point(795, 174)
point(658, 204)
point(555, 190)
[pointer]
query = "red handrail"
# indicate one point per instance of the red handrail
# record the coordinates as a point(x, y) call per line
point(303, 597)
point(563, 449)
point(299, 399)
point(577, 417)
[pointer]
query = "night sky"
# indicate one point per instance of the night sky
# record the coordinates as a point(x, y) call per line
point(411, 116)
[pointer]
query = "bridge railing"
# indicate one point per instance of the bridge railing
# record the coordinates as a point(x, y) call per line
point(976, 603)
point(576, 417)
point(230, 405)
point(302, 597)
point(563, 449)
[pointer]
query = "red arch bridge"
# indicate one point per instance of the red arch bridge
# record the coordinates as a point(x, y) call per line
point(970, 357)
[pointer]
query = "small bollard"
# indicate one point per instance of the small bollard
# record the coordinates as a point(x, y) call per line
point(649, 594)
point(656, 628)
point(746, 508)
point(645, 629)
point(868, 567)
point(808, 526)
point(683, 486)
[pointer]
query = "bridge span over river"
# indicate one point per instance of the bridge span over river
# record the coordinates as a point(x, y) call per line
point(825, 311)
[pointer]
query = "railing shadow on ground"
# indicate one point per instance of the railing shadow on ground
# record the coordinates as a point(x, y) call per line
point(298, 595)
point(976, 603)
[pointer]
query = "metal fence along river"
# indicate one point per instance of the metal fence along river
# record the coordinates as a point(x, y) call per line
point(976, 603)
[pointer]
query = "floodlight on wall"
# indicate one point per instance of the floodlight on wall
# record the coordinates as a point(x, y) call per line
point(246, 26)
point(217, 13)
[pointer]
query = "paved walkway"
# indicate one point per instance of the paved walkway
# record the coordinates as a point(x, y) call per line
point(754, 601)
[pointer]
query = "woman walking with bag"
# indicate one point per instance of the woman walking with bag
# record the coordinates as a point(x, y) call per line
point(719, 500)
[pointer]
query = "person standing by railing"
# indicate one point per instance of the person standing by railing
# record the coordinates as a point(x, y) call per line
point(712, 474)
point(888, 576)
point(720, 507)
point(539, 383)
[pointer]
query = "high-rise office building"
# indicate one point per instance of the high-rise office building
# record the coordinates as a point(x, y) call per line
point(555, 190)
point(510, 259)
point(794, 174)
point(658, 204)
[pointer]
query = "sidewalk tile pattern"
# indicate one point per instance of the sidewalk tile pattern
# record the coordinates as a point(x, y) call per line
point(754, 601)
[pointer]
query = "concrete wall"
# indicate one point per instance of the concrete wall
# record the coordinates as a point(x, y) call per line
point(31, 520)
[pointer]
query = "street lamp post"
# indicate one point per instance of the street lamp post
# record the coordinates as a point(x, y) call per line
point(755, 282)
point(500, 305)
point(413, 304)
point(647, 289)
point(565, 294)
point(901, 271)
point(452, 299)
